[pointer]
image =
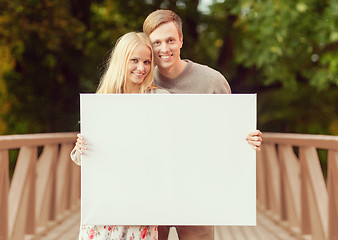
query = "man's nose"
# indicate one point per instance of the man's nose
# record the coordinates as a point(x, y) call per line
point(164, 47)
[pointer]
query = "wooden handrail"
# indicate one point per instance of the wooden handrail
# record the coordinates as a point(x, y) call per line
point(291, 187)
point(306, 140)
point(38, 139)
point(44, 189)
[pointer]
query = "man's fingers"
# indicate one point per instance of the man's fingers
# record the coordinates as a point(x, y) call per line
point(258, 139)
point(256, 148)
point(254, 139)
point(255, 143)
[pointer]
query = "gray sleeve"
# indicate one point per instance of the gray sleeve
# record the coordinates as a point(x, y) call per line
point(221, 85)
point(226, 86)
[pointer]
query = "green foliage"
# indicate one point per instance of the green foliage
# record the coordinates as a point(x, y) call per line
point(289, 40)
point(285, 51)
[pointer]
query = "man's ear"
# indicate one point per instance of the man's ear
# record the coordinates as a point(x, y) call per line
point(181, 40)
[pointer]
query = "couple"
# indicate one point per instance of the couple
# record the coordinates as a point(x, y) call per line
point(131, 70)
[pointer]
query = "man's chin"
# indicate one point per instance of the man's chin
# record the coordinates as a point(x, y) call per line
point(164, 65)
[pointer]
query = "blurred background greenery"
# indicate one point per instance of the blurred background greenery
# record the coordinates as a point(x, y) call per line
point(285, 51)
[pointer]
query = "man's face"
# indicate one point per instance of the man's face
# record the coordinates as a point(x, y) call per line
point(166, 46)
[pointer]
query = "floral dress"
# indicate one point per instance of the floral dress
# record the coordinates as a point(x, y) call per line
point(107, 232)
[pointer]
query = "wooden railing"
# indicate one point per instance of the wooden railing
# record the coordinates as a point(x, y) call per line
point(44, 189)
point(291, 187)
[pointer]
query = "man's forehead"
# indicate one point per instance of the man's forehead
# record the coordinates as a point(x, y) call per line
point(164, 31)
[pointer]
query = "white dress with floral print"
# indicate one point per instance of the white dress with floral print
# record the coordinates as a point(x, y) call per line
point(107, 232)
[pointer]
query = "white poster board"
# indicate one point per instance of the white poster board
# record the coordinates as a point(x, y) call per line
point(160, 159)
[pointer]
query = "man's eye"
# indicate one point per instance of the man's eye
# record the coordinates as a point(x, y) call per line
point(170, 40)
point(156, 43)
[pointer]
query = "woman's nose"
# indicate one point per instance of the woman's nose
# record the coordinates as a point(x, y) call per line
point(140, 66)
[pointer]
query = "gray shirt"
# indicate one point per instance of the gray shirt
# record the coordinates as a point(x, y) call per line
point(195, 78)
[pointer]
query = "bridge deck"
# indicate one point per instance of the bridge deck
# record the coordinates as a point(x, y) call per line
point(265, 229)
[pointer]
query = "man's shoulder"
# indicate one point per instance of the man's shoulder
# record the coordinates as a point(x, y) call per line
point(207, 79)
point(205, 70)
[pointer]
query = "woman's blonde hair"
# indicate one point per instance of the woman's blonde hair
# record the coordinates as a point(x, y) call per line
point(159, 17)
point(115, 76)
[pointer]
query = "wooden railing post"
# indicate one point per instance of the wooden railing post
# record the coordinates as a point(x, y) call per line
point(309, 207)
point(63, 182)
point(19, 198)
point(27, 205)
point(314, 198)
point(44, 184)
point(291, 184)
point(261, 176)
point(4, 188)
point(274, 183)
point(332, 185)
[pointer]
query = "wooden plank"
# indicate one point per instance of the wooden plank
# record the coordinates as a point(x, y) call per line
point(316, 193)
point(63, 183)
point(290, 166)
point(265, 229)
point(250, 233)
point(40, 139)
point(305, 140)
point(4, 188)
point(235, 232)
point(274, 184)
point(44, 184)
point(222, 232)
point(68, 229)
point(19, 193)
point(276, 232)
point(261, 179)
point(333, 193)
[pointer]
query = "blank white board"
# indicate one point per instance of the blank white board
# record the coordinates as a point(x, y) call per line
point(168, 159)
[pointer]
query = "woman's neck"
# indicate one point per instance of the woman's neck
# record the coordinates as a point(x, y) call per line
point(132, 88)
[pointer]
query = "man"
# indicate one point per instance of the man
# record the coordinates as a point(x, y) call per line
point(164, 29)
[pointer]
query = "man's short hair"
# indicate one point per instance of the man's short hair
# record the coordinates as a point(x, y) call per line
point(159, 17)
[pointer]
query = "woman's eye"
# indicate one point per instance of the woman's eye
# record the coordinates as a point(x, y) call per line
point(147, 62)
point(134, 60)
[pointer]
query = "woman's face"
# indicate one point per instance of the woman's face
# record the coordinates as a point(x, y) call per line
point(139, 64)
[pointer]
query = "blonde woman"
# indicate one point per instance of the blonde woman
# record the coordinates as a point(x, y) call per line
point(129, 70)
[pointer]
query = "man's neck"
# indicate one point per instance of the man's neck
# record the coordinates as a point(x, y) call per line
point(174, 71)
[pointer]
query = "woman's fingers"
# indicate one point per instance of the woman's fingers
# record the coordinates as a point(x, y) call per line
point(80, 144)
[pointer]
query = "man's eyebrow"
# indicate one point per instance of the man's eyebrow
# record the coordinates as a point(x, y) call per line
point(167, 38)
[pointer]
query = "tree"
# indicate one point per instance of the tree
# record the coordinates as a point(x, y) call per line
point(45, 40)
point(284, 51)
